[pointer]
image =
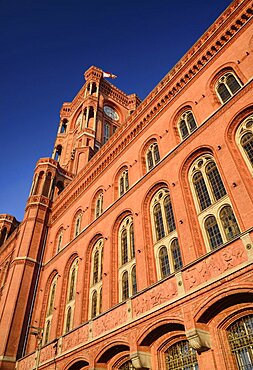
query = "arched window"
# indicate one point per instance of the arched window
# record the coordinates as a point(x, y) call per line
point(176, 255)
point(227, 86)
point(181, 356)
point(127, 258)
point(94, 305)
point(201, 190)
point(158, 217)
point(167, 251)
point(50, 310)
point(125, 286)
point(71, 294)
point(218, 223)
point(229, 223)
point(123, 182)
point(99, 205)
point(215, 180)
point(134, 283)
point(59, 238)
point(164, 262)
point(96, 279)
point(244, 139)
point(152, 156)
point(213, 232)
point(240, 337)
point(186, 124)
point(77, 224)
point(106, 132)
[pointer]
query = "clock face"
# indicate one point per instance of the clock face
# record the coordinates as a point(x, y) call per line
point(111, 113)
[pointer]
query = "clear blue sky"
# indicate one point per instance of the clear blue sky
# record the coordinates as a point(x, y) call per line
point(47, 45)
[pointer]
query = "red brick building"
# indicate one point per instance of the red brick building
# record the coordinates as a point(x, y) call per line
point(135, 251)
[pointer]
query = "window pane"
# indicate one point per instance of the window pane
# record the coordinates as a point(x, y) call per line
point(121, 185)
point(215, 181)
point(183, 129)
point(51, 302)
point(98, 207)
point(126, 181)
point(134, 282)
point(158, 222)
point(131, 231)
point(176, 255)
point(156, 154)
point(181, 356)
point(169, 214)
point(95, 267)
point(247, 144)
point(124, 251)
point(223, 92)
point(47, 332)
point(100, 301)
point(68, 320)
point(201, 191)
point(213, 232)
point(94, 305)
point(164, 262)
point(72, 285)
point(150, 160)
point(232, 83)
point(191, 121)
point(240, 337)
point(125, 287)
point(229, 222)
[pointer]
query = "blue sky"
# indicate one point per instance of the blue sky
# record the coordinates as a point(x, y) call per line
point(47, 45)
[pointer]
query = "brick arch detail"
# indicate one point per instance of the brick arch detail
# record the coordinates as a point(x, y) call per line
point(87, 270)
point(65, 278)
point(73, 361)
point(188, 198)
point(156, 324)
point(218, 295)
point(147, 229)
point(235, 151)
point(183, 107)
point(111, 344)
point(50, 279)
point(142, 153)
point(114, 255)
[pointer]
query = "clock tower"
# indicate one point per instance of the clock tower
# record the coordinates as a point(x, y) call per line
point(92, 117)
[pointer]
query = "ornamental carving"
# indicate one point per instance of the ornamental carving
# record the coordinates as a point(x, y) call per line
point(156, 296)
point(74, 338)
point(27, 363)
point(214, 265)
point(111, 320)
point(47, 352)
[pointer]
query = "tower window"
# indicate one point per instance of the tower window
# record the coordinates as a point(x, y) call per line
point(227, 86)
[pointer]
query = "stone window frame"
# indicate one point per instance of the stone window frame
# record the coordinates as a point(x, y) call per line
point(216, 206)
point(124, 181)
point(242, 130)
point(169, 235)
point(126, 225)
point(183, 117)
point(99, 198)
point(96, 286)
point(49, 310)
point(70, 303)
point(153, 149)
point(222, 79)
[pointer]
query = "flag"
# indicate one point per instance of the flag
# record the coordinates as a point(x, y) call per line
point(109, 75)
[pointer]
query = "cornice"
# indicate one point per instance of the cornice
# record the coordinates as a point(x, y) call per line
point(205, 49)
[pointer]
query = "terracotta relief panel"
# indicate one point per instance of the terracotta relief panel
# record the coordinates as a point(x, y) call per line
point(154, 297)
point(214, 265)
point(74, 338)
point(111, 320)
